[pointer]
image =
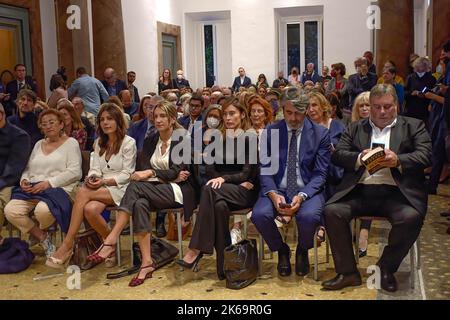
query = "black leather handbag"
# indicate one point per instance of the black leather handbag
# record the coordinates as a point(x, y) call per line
point(241, 264)
point(163, 253)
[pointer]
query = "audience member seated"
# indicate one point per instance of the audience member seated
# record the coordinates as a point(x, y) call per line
point(152, 188)
point(416, 104)
point(112, 164)
point(89, 89)
point(389, 75)
point(196, 106)
point(296, 189)
point(88, 120)
point(280, 81)
point(13, 88)
point(336, 111)
point(58, 89)
point(14, 151)
point(25, 118)
point(262, 80)
point(118, 102)
point(369, 57)
point(180, 82)
point(398, 79)
point(166, 83)
point(325, 77)
point(73, 126)
point(231, 187)
point(294, 77)
point(273, 98)
point(113, 85)
point(262, 91)
point(339, 84)
point(46, 185)
point(310, 74)
point(143, 128)
point(241, 81)
point(362, 80)
point(215, 96)
point(129, 106)
point(395, 192)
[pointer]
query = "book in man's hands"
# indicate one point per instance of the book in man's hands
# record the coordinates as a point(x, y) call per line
point(373, 159)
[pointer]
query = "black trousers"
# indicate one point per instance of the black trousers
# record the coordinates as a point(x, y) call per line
point(211, 228)
point(374, 200)
point(143, 197)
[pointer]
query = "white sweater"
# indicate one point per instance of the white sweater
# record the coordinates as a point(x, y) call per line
point(62, 167)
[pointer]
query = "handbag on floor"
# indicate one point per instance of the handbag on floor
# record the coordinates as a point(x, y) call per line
point(241, 264)
point(86, 243)
point(162, 252)
point(15, 256)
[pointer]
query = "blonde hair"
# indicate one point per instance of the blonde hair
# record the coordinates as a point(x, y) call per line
point(65, 104)
point(363, 98)
point(171, 112)
point(324, 104)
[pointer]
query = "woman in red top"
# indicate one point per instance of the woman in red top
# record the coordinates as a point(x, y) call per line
point(72, 123)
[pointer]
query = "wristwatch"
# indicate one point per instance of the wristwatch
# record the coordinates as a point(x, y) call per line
point(304, 196)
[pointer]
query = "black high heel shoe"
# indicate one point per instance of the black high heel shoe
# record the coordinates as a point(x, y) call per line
point(193, 266)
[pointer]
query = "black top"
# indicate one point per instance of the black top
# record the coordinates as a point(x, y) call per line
point(29, 124)
point(14, 152)
point(162, 86)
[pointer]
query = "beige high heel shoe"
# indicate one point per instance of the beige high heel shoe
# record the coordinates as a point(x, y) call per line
point(53, 262)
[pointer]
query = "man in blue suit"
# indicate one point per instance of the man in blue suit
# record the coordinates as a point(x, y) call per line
point(296, 187)
point(113, 85)
point(241, 81)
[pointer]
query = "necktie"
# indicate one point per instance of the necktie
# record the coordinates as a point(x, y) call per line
point(21, 86)
point(149, 130)
point(292, 188)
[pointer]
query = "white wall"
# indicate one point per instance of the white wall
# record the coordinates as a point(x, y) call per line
point(49, 44)
point(254, 42)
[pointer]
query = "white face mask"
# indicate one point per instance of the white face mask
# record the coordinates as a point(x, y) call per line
point(180, 76)
point(420, 74)
point(439, 69)
point(212, 122)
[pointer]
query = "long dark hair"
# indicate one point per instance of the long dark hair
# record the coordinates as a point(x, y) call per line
point(121, 131)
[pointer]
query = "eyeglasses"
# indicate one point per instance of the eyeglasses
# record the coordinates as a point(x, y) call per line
point(195, 106)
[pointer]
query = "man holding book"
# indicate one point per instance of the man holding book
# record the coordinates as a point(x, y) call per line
point(394, 190)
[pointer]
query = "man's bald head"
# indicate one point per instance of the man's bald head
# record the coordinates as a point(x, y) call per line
point(110, 76)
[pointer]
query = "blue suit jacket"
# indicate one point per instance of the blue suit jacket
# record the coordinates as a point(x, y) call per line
point(138, 131)
point(237, 83)
point(314, 157)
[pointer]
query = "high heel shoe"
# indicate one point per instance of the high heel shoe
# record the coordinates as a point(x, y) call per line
point(53, 262)
point(136, 281)
point(193, 266)
point(96, 258)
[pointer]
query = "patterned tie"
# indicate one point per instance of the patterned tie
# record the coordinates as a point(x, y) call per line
point(292, 188)
point(21, 86)
point(149, 130)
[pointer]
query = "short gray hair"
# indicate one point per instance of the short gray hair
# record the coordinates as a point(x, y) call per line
point(295, 96)
point(423, 61)
point(383, 89)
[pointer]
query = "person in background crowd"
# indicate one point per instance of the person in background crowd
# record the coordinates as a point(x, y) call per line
point(262, 80)
point(417, 84)
point(294, 77)
point(131, 78)
point(325, 76)
point(389, 76)
point(280, 81)
point(113, 85)
point(129, 106)
point(310, 74)
point(215, 96)
point(180, 82)
point(241, 81)
point(13, 88)
point(46, 185)
point(112, 164)
point(58, 89)
point(339, 84)
point(25, 118)
point(14, 151)
point(398, 79)
point(73, 126)
point(89, 89)
point(118, 102)
point(166, 83)
point(88, 120)
point(273, 98)
point(362, 81)
point(369, 57)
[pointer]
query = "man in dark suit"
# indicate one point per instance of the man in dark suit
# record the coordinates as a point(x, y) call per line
point(395, 192)
point(196, 105)
point(113, 85)
point(362, 80)
point(299, 165)
point(241, 81)
point(131, 77)
point(13, 88)
point(180, 82)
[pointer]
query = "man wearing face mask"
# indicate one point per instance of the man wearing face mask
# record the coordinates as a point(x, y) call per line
point(180, 81)
point(417, 85)
point(362, 81)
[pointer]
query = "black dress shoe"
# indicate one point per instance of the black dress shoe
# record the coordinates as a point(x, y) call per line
point(301, 262)
point(445, 214)
point(388, 281)
point(362, 253)
point(161, 230)
point(343, 281)
point(284, 262)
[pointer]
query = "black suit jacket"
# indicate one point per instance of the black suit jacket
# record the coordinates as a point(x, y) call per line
point(237, 83)
point(409, 140)
point(187, 188)
point(13, 88)
point(120, 86)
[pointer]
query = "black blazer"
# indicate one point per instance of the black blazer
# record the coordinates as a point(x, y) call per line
point(409, 140)
point(187, 188)
point(237, 83)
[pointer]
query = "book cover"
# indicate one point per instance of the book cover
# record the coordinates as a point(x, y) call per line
point(373, 159)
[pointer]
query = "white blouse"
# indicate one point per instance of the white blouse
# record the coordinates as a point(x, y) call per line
point(120, 167)
point(62, 167)
point(160, 161)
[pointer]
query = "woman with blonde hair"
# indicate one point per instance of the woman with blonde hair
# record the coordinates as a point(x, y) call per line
point(73, 125)
point(231, 187)
point(157, 184)
point(361, 107)
point(112, 164)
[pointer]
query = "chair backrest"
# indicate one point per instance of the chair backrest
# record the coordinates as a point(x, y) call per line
point(85, 163)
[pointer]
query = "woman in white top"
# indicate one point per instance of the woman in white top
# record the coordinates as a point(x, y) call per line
point(161, 184)
point(52, 173)
point(112, 164)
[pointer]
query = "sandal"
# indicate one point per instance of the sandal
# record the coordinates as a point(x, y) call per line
point(137, 282)
point(96, 258)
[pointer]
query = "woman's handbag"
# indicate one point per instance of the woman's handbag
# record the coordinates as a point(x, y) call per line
point(241, 264)
point(86, 243)
point(14, 256)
